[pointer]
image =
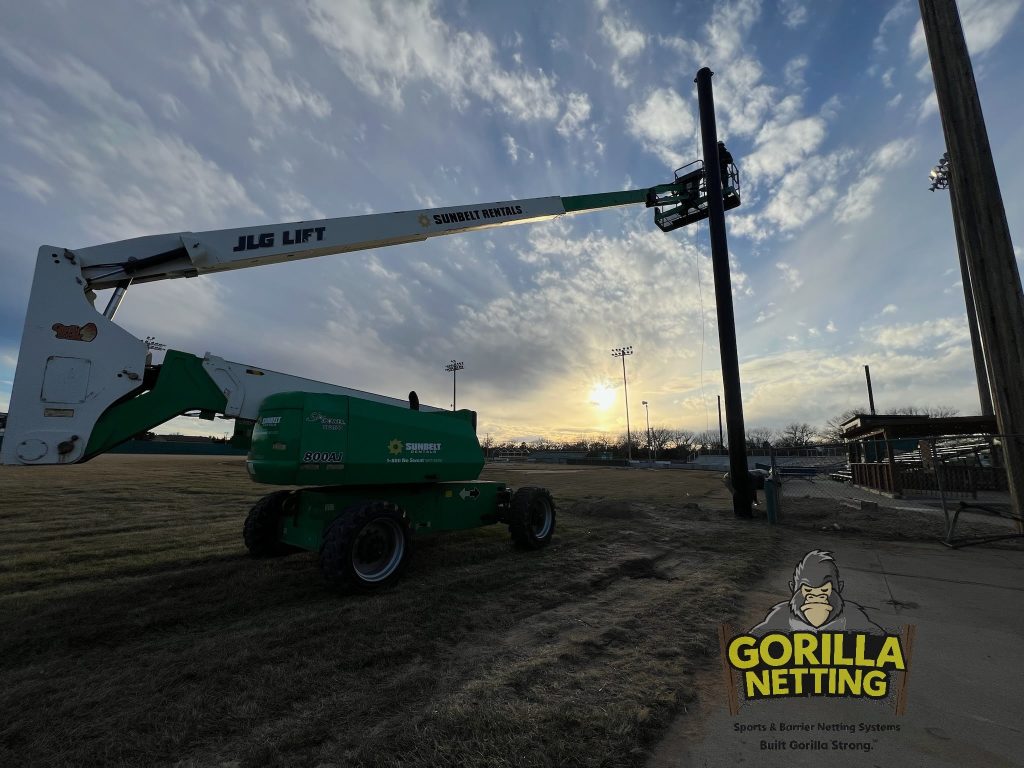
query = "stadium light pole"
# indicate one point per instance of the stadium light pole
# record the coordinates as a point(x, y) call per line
point(939, 177)
point(650, 443)
point(454, 366)
point(623, 352)
point(995, 279)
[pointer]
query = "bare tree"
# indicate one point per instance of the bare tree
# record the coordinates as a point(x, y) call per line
point(796, 434)
point(932, 411)
point(661, 436)
point(707, 440)
point(758, 436)
point(833, 429)
point(683, 439)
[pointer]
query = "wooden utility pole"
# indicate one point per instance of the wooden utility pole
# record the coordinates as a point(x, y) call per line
point(991, 263)
point(980, 369)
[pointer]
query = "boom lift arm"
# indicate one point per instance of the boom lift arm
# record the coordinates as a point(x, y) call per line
point(83, 384)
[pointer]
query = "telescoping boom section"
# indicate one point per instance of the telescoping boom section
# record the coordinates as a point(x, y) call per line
point(83, 384)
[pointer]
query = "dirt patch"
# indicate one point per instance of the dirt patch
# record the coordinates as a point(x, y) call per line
point(614, 509)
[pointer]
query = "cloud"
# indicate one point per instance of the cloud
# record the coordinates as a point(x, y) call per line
point(929, 106)
point(511, 147)
point(28, 184)
point(930, 335)
point(384, 47)
point(901, 9)
point(577, 111)
point(133, 178)
point(626, 40)
point(271, 29)
point(805, 192)
point(790, 274)
point(767, 313)
point(662, 121)
point(249, 70)
point(782, 145)
point(794, 13)
point(889, 309)
point(985, 23)
point(859, 201)
point(794, 71)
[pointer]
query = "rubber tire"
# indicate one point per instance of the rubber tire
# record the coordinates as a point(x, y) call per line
point(262, 528)
point(340, 538)
point(522, 518)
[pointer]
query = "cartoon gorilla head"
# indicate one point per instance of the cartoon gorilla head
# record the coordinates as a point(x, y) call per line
point(817, 588)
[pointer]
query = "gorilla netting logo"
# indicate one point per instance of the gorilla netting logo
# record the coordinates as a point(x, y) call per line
point(816, 643)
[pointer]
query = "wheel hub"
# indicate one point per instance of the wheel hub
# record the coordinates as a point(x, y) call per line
point(378, 549)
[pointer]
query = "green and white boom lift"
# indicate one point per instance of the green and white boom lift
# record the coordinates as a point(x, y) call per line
point(382, 468)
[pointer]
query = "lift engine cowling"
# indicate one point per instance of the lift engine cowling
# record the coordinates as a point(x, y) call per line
point(303, 438)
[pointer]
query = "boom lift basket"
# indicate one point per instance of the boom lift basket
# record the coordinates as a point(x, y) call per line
point(686, 199)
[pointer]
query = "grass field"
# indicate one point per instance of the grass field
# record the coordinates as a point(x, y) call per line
point(136, 630)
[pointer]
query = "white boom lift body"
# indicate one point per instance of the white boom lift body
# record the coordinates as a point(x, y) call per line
point(83, 384)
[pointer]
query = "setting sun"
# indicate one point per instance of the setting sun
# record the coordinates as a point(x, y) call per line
point(602, 396)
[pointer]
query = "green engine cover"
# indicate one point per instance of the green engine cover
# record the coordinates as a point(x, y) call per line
point(304, 438)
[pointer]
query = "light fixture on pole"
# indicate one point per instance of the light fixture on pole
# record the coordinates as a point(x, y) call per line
point(623, 352)
point(650, 443)
point(939, 175)
point(454, 366)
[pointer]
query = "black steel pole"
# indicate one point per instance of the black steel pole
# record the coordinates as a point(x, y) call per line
point(625, 392)
point(742, 496)
point(721, 440)
point(454, 374)
point(871, 395)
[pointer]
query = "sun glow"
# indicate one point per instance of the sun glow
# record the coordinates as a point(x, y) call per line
point(601, 396)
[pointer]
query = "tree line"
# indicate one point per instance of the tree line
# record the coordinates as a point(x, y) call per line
point(670, 443)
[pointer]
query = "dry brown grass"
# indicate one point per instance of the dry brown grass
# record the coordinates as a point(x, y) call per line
point(137, 631)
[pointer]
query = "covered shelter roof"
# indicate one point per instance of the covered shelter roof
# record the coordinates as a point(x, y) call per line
point(862, 426)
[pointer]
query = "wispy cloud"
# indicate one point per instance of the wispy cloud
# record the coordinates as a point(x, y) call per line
point(662, 121)
point(387, 47)
point(794, 13)
point(985, 23)
point(860, 199)
point(26, 183)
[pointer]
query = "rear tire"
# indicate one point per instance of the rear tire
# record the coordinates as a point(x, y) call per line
point(366, 547)
point(532, 518)
point(262, 529)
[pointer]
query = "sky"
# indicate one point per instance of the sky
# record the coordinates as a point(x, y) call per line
point(121, 119)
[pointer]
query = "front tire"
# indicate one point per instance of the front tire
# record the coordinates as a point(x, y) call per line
point(262, 529)
point(532, 518)
point(366, 547)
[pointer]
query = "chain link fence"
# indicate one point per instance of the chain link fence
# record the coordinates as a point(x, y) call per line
point(949, 477)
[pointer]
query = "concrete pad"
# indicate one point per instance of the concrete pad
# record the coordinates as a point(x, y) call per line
point(966, 679)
